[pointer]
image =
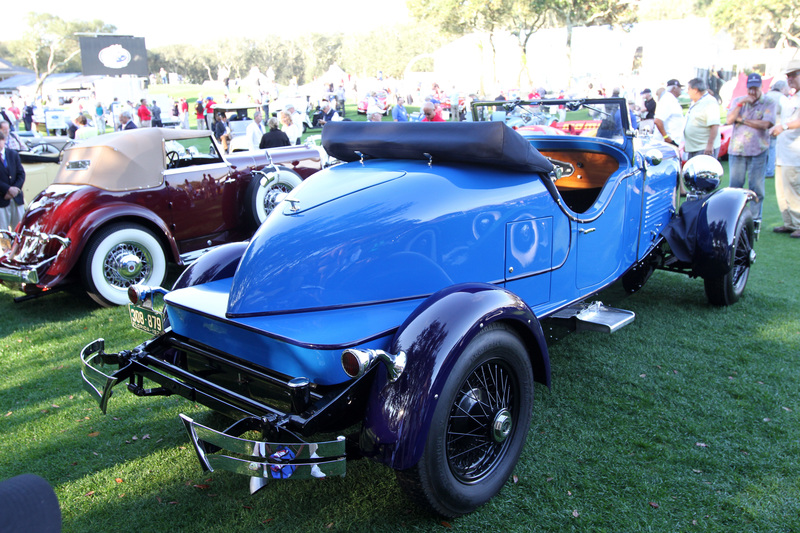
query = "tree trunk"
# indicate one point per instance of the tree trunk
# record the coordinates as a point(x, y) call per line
point(494, 58)
point(569, 49)
point(524, 70)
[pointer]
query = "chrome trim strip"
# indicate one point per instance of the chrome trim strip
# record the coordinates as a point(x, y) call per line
point(193, 168)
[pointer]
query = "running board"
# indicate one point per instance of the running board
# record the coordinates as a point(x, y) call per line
point(595, 317)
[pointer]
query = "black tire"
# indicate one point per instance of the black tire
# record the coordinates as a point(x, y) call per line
point(261, 200)
point(466, 460)
point(727, 289)
point(119, 256)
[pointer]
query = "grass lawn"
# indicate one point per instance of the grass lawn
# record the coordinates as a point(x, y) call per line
point(686, 420)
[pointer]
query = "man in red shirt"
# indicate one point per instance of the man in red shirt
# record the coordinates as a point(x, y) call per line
point(210, 103)
point(429, 110)
point(183, 113)
point(145, 116)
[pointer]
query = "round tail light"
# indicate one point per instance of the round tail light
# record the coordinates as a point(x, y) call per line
point(351, 364)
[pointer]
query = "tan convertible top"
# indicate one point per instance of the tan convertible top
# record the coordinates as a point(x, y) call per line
point(122, 161)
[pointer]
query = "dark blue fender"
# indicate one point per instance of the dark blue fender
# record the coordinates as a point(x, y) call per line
point(716, 231)
point(399, 414)
point(221, 262)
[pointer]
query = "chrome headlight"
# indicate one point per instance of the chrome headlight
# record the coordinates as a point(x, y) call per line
point(701, 174)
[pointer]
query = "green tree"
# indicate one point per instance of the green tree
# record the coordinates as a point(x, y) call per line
point(759, 23)
point(460, 17)
point(526, 17)
point(186, 60)
point(389, 51)
point(322, 50)
point(50, 44)
point(577, 13)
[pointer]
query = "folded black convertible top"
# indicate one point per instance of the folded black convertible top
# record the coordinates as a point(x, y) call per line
point(485, 143)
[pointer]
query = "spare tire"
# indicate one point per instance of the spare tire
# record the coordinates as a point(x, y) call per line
point(262, 194)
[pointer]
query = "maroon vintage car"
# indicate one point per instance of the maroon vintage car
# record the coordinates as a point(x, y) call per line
point(124, 204)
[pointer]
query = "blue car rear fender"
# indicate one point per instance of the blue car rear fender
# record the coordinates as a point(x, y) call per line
point(399, 414)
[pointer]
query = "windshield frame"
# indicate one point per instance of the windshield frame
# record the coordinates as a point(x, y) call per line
point(595, 104)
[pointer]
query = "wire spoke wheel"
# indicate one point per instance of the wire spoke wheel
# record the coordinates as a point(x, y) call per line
point(742, 259)
point(263, 195)
point(728, 288)
point(272, 196)
point(479, 426)
point(118, 256)
point(480, 421)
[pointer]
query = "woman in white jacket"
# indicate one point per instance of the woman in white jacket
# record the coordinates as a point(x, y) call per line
point(291, 129)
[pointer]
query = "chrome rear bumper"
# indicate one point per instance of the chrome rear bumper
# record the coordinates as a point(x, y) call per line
point(261, 460)
point(29, 274)
point(266, 460)
point(25, 275)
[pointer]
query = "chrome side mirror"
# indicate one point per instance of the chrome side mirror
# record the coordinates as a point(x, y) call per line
point(654, 157)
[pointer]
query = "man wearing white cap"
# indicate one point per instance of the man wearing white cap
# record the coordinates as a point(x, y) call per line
point(669, 115)
point(787, 168)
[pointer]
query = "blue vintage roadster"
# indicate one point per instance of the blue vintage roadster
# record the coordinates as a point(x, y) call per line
point(398, 299)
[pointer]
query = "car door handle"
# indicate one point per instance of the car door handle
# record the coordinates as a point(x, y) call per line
point(586, 230)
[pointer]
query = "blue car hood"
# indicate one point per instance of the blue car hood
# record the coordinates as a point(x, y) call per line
point(386, 231)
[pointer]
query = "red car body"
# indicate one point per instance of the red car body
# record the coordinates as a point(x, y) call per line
point(166, 193)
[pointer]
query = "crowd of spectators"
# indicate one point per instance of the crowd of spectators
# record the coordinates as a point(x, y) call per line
point(763, 143)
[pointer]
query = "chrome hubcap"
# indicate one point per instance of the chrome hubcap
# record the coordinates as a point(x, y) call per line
point(129, 266)
point(126, 264)
point(274, 196)
point(501, 427)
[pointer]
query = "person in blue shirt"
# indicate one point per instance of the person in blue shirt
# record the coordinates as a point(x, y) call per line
point(399, 113)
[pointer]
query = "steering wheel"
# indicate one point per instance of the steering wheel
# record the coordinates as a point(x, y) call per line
point(172, 159)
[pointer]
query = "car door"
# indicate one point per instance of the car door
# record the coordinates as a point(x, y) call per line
point(201, 184)
point(599, 241)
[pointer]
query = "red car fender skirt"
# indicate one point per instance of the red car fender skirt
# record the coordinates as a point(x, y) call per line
point(399, 414)
point(83, 228)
